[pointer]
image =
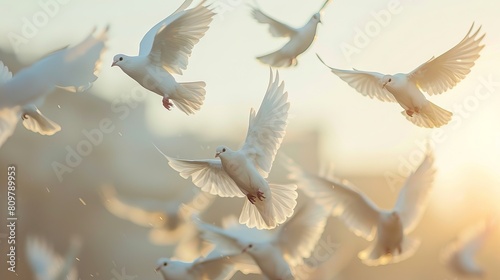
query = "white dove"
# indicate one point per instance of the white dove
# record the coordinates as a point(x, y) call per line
point(459, 255)
point(242, 173)
point(170, 220)
point(300, 38)
point(72, 68)
point(212, 267)
point(273, 254)
point(389, 228)
point(47, 265)
point(435, 76)
point(165, 49)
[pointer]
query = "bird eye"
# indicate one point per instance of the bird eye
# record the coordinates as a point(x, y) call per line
point(165, 264)
point(224, 150)
point(250, 246)
point(390, 80)
point(120, 59)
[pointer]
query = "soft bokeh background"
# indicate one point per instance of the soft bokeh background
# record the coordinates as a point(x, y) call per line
point(367, 141)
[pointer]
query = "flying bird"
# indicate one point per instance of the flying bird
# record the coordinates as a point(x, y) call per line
point(460, 254)
point(272, 254)
point(388, 229)
point(170, 221)
point(48, 265)
point(243, 172)
point(164, 51)
point(212, 267)
point(300, 38)
point(71, 68)
point(435, 76)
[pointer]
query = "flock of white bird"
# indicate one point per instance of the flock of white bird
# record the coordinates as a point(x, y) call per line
point(272, 236)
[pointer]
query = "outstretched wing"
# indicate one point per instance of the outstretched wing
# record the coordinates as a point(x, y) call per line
point(47, 265)
point(266, 129)
point(215, 266)
point(445, 71)
point(8, 121)
point(175, 38)
point(127, 211)
point(364, 82)
point(208, 175)
point(357, 211)
point(146, 43)
point(76, 67)
point(298, 237)
point(412, 199)
point(276, 28)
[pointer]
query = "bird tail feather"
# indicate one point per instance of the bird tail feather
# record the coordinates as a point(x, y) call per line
point(430, 116)
point(375, 255)
point(37, 122)
point(277, 59)
point(269, 213)
point(189, 97)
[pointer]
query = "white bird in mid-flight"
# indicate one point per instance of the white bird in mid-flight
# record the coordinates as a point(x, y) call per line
point(435, 76)
point(243, 172)
point(165, 49)
point(171, 221)
point(460, 254)
point(300, 38)
point(272, 254)
point(388, 228)
point(71, 68)
point(47, 265)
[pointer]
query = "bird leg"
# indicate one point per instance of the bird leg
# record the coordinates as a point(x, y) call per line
point(167, 104)
point(410, 112)
point(260, 195)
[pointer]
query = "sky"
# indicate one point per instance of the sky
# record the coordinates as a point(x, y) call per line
point(357, 134)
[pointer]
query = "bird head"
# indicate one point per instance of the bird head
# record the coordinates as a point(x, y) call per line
point(249, 248)
point(220, 150)
point(119, 59)
point(387, 80)
point(316, 18)
point(162, 265)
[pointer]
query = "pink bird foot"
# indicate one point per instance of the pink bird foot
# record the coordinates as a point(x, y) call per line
point(410, 113)
point(260, 195)
point(251, 198)
point(167, 104)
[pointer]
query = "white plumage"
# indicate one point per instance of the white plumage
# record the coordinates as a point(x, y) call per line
point(71, 68)
point(164, 50)
point(388, 229)
point(242, 173)
point(435, 76)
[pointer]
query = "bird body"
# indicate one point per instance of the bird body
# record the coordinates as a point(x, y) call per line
point(243, 172)
point(299, 42)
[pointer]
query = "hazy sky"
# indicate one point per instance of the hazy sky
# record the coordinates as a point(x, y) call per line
point(357, 133)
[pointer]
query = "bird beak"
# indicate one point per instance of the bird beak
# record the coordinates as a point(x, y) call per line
point(158, 268)
point(217, 154)
point(320, 21)
point(383, 85)
point(114, 63)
